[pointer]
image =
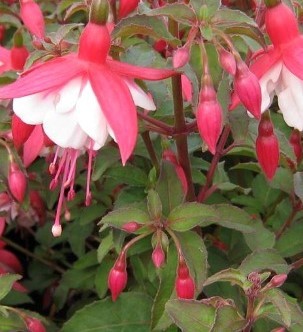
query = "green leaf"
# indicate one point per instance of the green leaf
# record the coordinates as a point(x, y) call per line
point(176, 11)
point(169, 187)
point(195, 254)
point(233, 217)
point(131, 312)
point(188, 215)
point(298, 185)
point(6, 283)
point(191, 316)
point(11, 322)
point(228, 319)
point(107, 243)
point(290, 243)
point(128, 174)
point(144, 25)
point(261, 260)
point(101, 278)
point(154, 205)
point(119, 217)
point(230, 275)
point(105, 159)
point(167, 276)
point(277, 298)
point(225, 16)
point(77, 235)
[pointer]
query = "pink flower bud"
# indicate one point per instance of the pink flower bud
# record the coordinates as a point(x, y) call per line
point(126, 7)
point(117, 277)
point(180, 57)
point(18, 57)
point(278, 280)
point(17, 182)
point(158, 256)
point(131, 227)
point(227, 61)
point(32, 18)
point(209, 117)
point(185, 286)
point(20, 131)
point(248, 89)
point(295, 141)
point(267, 148)
point(187, 89)
point(281, 24)
point(34, 325)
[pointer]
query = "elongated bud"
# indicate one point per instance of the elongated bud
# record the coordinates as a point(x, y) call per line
point(180, 57)
point(248, 89)
point(131, 226)
point(34, 325)
point(187, 89)
point(267, 147)
point(281, 23)
point(126, 7)
point(32, 18)
point(158, 256)
point(185, 286)
point(209, 115)
point(227, 61)
point(117, 277)
point(17, 182)
point(277, 280)
point(295, 141)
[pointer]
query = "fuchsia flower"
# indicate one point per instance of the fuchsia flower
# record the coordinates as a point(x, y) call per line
point(81, 99)
point(126, 7)
point(184, 284)
point(280, 67)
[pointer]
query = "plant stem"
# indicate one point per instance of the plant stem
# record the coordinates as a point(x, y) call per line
point(288, 221)
point(210, 174)
point(168, 130)
point(30, 254)
point(249, 313)
point(297, 264)
point(151, 151)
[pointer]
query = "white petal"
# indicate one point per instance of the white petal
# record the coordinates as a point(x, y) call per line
point(290, 99)
point(268, 84)
point(32, 109)
point(140, 98)
point(90, 116)
point(63, 129)
point(68, 95)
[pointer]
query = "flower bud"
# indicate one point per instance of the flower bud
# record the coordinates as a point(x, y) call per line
point(247, 87)
point(32, 18)
point(267, 147)
point(56, 230)
point(209, 117)
point(20, 131)
point(185, 286)
point(18, 57)
point(227, 61)
point(17, 182)
point(117, 277)
point(34, 325)
point(158, 256)
point(180, 57)
point(280, 22)
point(126, 7)
point(131, 227)
point(295, 141)
point(278, 280)
point(187, 89)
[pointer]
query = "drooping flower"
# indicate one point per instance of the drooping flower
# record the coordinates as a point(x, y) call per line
point(279, 68)
point(17, 182)
point(185, 286)
point(56, 94)
point(117, 278)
